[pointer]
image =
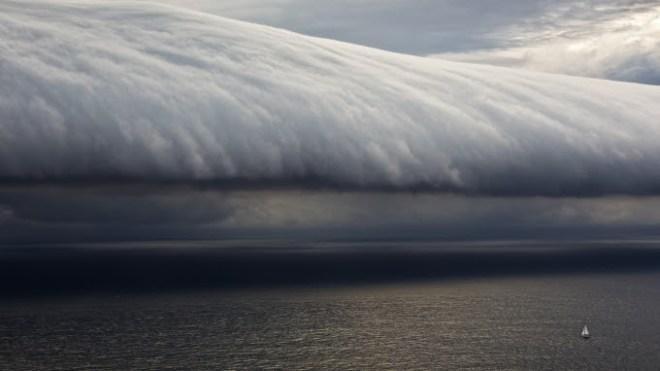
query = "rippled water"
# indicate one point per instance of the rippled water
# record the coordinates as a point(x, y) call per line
point(504, 324)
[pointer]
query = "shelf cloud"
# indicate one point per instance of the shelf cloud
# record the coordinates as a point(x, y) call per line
point(137, 92)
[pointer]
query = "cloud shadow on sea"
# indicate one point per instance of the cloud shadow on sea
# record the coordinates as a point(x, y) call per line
point(47, 270)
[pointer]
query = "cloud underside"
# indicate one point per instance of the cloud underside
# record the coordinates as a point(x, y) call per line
point(48, 214)
point(141, 93)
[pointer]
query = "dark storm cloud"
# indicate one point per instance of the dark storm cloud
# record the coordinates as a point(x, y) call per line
point(113, 205)
point(144, 93)
point(47, 214)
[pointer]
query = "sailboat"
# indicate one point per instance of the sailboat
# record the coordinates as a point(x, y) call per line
point(585, 332)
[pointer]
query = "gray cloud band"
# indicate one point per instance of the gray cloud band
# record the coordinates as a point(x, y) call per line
point(102, 92)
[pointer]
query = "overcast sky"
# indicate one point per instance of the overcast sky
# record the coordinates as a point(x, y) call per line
point(614, 39)
point(134, 120)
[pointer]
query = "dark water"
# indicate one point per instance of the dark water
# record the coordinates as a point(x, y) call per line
point(515, 323)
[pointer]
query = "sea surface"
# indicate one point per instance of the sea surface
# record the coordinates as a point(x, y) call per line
point(524, 322)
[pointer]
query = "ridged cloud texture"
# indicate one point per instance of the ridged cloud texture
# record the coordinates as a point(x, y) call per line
point(151, 93)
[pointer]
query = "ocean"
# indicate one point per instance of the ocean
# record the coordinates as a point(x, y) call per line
point(525, 321)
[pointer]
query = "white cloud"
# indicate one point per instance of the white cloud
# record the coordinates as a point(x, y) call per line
point(97, 90)
point(624, 46)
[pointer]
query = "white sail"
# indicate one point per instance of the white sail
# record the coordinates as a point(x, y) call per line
point(585, 332)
